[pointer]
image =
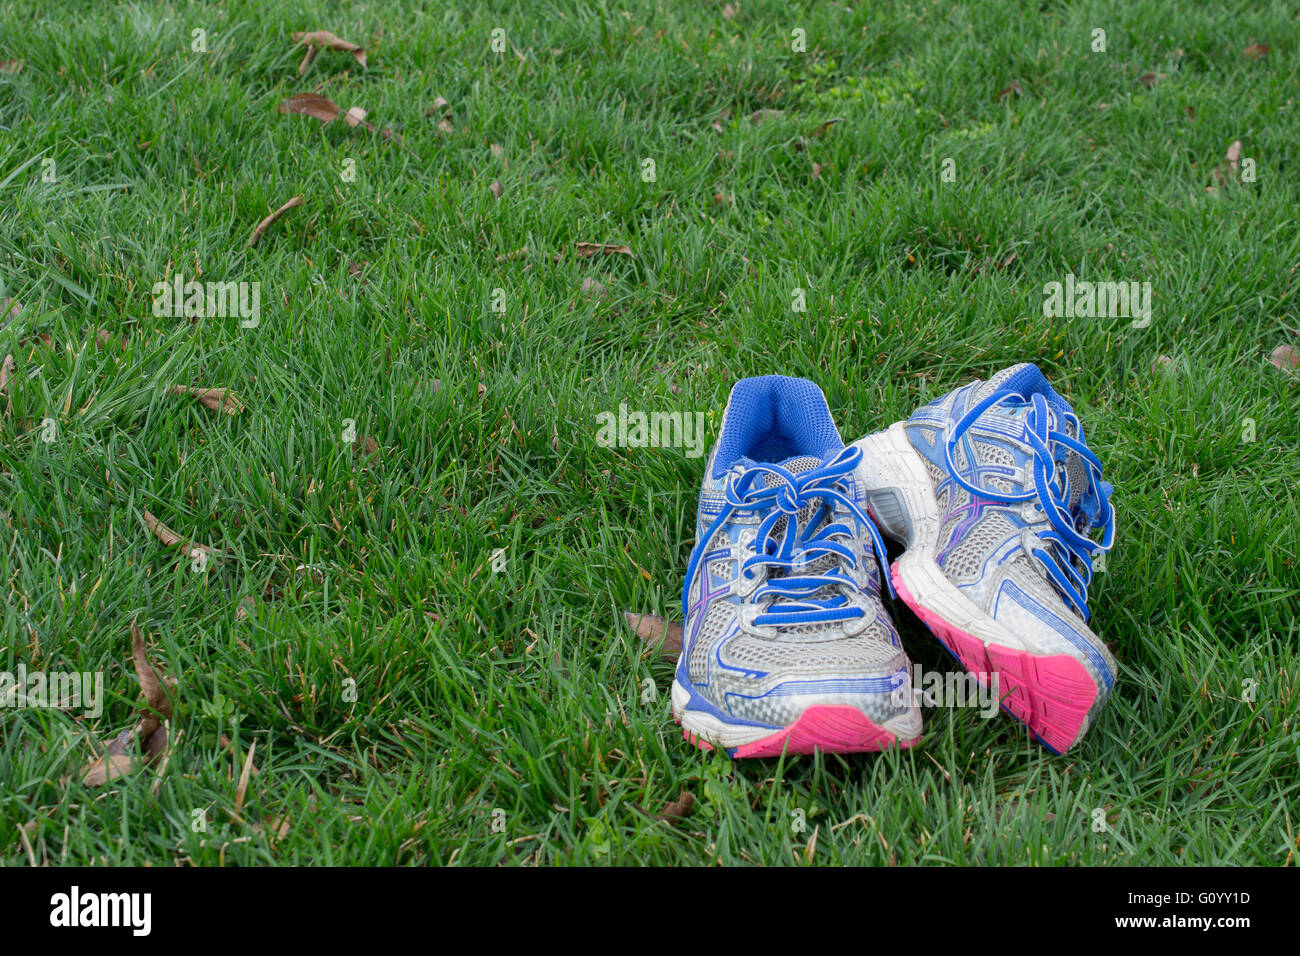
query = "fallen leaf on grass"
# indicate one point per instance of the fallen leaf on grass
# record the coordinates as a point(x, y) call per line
point(588, 249)
point(444, 126)
point(266, 223)
point(118, 757)
point(170, 538)
point(1234, 154)
point(439, 103)
point(678, 809)
point(312, 104)
point(1150, 79)
point(365, 445)
point(722, 118)
point(326, 110)
point(10, 66)
point(317, 40)
point(1257, 51)
point(496, 188)
point(660, 634)
point(1008, 90)
point(217, 399)
point(1285, 357)
point(6, 372)
point(821, 131)
point(759, 116)
point(10, 308)
point(593, 289)
point(1228, 168)
point(729, 11)
point(816, 170)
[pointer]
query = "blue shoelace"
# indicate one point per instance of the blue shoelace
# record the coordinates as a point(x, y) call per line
point(799, 545)
point(1067, 557)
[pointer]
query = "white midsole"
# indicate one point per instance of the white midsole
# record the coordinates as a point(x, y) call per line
point(904, 727)
point(890, 461)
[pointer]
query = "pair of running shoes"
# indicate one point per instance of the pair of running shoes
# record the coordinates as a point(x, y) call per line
point(1000, 508)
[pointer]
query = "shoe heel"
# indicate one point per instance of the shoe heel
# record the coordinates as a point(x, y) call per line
point(897, 487)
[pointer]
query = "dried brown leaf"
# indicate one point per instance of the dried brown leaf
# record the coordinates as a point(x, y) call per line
point(1285, 357)
point(155, 694)
point(1007, 91)
point(6, 372)
point(444, 126)
point(438, 104)
point(366, 445)
point(816, 170)
point(729, 11)
point(324, 40)
point(217, 399)
point(10, 66)
point(118, 758)
point(758, 116)
point(108, 767)
point(821, 131)
point(10, 308)
point(1150, 78)
point(1234, 154)
point(678, 809)
point(1257, 51)
point(313, 105)
point(496, 188)
point(266, 223)
point(586, 250)
point(658, 633)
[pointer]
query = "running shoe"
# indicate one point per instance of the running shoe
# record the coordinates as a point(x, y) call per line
point(1001, 508)
point(787, 647)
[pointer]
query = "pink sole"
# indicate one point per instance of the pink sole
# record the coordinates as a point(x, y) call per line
point(828, 729)
point(1051, 695)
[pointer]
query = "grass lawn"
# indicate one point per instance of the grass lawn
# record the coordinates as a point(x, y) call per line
point(403, 702)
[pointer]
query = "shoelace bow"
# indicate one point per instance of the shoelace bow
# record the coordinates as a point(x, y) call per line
point(1067, 557)
point(799, 546)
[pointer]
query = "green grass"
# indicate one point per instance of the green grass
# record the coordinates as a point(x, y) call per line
point(522, 691)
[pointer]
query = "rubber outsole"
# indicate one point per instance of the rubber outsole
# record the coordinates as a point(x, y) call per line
point(1050, 694)
point(829, 729)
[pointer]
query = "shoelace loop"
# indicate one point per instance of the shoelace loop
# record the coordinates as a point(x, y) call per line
point(1069, 546)
point(799, 546)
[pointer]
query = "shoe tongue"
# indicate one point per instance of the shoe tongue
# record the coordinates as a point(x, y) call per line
point(997, 382)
